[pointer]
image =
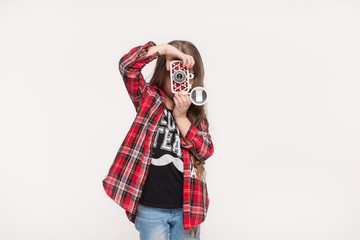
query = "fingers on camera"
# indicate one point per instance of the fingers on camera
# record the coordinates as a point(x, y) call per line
point(191, 61)
point(188, 62)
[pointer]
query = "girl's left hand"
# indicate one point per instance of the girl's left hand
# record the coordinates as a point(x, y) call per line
point(182, 104)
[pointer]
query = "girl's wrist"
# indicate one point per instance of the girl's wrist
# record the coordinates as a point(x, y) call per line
point(180, 117)
point(184, 124)
point(163, 49)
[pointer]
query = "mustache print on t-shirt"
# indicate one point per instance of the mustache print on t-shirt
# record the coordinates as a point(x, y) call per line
point(167, 159)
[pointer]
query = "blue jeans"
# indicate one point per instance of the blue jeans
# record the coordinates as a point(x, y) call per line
point(161, 224)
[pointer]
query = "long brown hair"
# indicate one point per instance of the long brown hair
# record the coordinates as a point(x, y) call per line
point(195, 113)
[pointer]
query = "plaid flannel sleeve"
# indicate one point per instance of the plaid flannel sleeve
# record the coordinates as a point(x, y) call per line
point(202, 146)
point(130, 66)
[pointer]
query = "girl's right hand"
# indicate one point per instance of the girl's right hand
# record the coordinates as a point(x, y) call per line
point(172, 53)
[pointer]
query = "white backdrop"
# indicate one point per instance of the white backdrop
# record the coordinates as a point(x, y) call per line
point(283, 80)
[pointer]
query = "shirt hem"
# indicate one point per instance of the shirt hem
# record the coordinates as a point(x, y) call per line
point(161, 205)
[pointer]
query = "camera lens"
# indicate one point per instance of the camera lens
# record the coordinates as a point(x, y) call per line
point(179, 76)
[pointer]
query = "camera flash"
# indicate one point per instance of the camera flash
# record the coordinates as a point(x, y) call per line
point(199, 97)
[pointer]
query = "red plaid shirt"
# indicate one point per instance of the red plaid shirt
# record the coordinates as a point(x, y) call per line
point(128, 172)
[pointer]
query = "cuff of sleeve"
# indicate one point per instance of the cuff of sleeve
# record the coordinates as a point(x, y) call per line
point(149, 43)
point(191, 132)
point(189, 136)
point(144, 50)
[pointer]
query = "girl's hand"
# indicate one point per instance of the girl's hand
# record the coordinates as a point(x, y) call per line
point(172, 53)
point(182, 104)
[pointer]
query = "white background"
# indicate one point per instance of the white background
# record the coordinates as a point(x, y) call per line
point(283, 81)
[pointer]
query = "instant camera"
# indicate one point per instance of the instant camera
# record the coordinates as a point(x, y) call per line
point(180, 82)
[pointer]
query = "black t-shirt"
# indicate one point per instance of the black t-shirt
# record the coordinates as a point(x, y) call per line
point(163, 186)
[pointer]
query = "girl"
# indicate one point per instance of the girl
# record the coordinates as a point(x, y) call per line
point(158, 173)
